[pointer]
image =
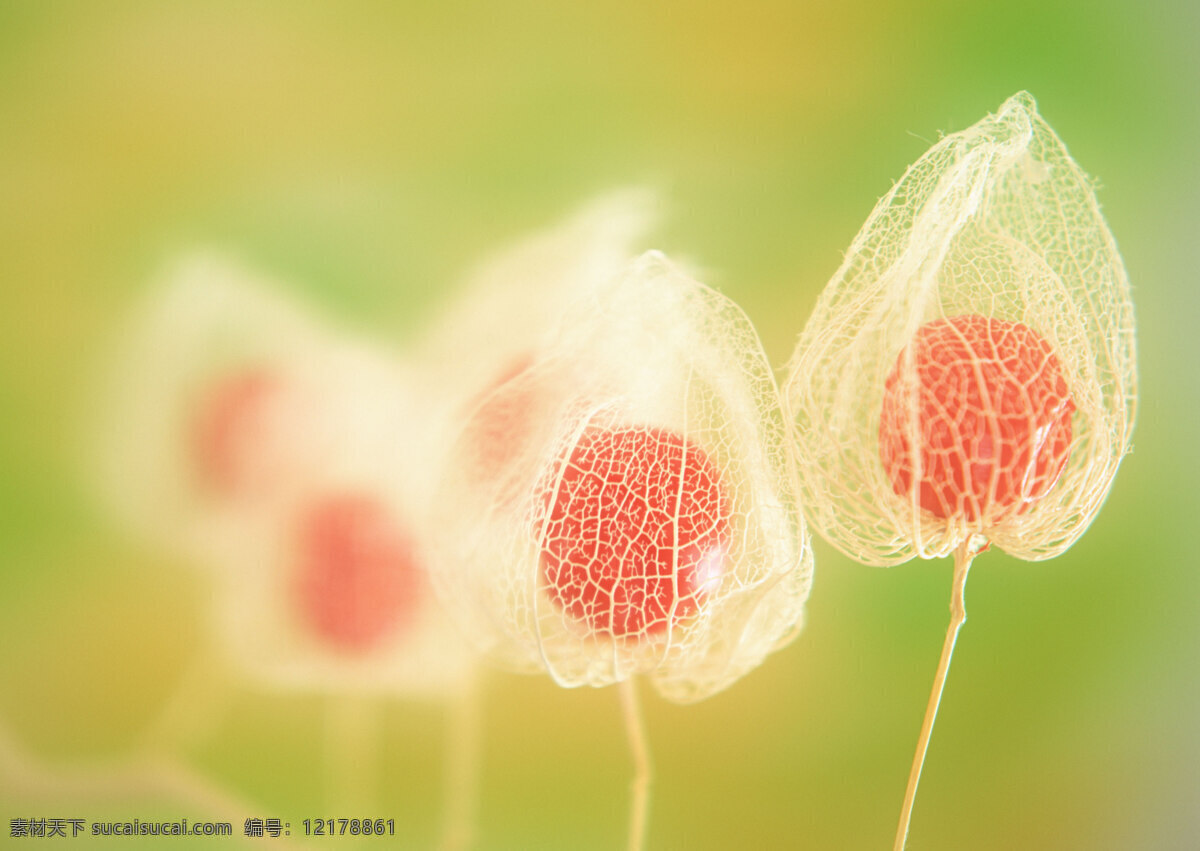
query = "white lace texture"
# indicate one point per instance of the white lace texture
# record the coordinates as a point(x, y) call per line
point(624, 502)
point(970, 369)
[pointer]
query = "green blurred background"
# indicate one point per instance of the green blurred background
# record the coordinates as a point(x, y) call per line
point(369, 152)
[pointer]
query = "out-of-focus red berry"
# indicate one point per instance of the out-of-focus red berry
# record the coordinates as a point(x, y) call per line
point(234, 433)
point(500, 422)
point(356, 580)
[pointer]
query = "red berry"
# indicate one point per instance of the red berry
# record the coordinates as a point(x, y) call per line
point(498, 427)
point(357, 582)
point(638, 532)
point(232, 431)
point(993, 418)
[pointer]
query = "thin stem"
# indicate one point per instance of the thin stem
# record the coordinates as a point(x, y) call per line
point(958, 615)
point(643, 771)
point(460, 794)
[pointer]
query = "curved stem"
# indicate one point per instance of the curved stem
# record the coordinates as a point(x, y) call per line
point(958, 615)
point(643, 771)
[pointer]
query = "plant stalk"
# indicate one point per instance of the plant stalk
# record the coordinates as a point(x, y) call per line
point(643, 771)
point(963, 557)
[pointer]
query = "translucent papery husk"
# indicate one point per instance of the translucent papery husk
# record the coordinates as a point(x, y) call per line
point(208, 318)
point(260, 614)
point(346, 431)
point(999, 221)
point(368, 459)
point(265, 637)
point(511, 300)
point(650, 350)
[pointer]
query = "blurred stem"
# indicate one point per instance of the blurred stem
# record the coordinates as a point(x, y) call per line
point(462, 768)
point(963, 557)
point(643, 772)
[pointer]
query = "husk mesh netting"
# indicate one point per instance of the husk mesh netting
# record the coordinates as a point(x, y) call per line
point(970, 368)
point(641, 516)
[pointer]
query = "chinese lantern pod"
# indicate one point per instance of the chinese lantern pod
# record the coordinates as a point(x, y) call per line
point(237, 430)
point(323, 586)
point(507, 308)
point(646, 521)
point(188, 393)
point(332, 597)
point(511, 300)
point(996, 234)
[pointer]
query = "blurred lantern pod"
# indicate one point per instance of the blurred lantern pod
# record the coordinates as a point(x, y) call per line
point(327, 590)
point(287, 459)
point(989, 271)
point(643, 515)
point(325, 587)
point(207, 404)
point(509, 303)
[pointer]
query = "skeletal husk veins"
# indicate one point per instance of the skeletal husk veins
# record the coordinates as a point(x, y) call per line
point(645, 518)
point(994, 224)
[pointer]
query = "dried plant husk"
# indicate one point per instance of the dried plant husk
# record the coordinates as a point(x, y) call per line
point(512, 299)
point(324, 586)
point(206, 321)
point(996, 221)
point(332, 503)
point(651, 358)
point(270, 598)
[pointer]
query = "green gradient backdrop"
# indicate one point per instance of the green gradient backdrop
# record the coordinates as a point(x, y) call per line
point(370, 152)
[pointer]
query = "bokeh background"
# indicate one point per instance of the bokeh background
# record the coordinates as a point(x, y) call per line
point(369, 153)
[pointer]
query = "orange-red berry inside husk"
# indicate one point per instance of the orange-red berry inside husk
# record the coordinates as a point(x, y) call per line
point(638, 532)
point(501, 421)
point(232, 432)
point(356, 581)
point(992, 418)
